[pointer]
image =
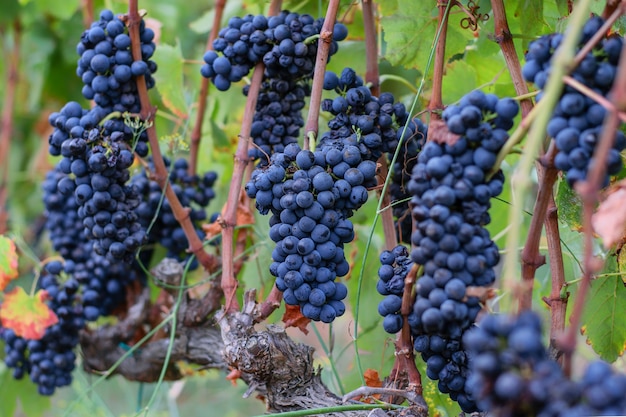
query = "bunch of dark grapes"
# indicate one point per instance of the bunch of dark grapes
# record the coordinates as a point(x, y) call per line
point(451, 191)
point(98, 173)
point(576, 124)
point(155, 213)
point(278, 117)
point(108, 72)
point(374, 123)
point(513, 375)
point(106, 65)
point(284, 43)
point(50, 360)
point(103, 282)
point(395, 265)
point(409, 146)
point(307, 225)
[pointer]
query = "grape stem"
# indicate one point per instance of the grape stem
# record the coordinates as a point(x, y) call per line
point(405, 354)
point(323, 48)
point(436, 101)
point(589, 191)
point(593, 95)
point(229, 218)
point(87, 8)
point(6, 128)
point(196, 134)
point(147, 113)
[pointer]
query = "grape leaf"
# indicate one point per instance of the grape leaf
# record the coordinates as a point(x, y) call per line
point(169, 78)
point(569, 206)
point(8, 261)
point(293, 318)
point(20, 391)
point(621, 264)
point(410, 28)
point(602, 318)
point(28, 316)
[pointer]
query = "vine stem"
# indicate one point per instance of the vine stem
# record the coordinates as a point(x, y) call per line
point(228, 220)
point(323, 48)
point(405, 357)
point(521, 179)
point(436, 101)
point(196, 133)
point(6, 129)
point(160, 175)
point(88, 15)
point(589, 191)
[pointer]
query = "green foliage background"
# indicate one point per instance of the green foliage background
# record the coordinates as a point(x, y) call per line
point(50, 30)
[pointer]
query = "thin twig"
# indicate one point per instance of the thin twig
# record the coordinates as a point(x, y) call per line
point(147, 113)
point(589, 192)
point(323, 48)
point(6, 129)
point(196, 134)
point(241, 161)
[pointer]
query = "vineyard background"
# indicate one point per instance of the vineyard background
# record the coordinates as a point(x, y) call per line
point(37, 66)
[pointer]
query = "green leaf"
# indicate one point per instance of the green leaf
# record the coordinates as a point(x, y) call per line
point(37, 48)
point(455, 89)
point(569, 206)
point(602, 320)
point(62, 9)
point(22, 391)
point(169, 78)
point(410, 31)
point(562, 7)
point(204, 23)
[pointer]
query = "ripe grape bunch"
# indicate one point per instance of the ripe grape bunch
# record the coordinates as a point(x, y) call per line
point(395, 265)
point(576, 124)
point(49, 361)
point(452, 187)
point(285, 43)
point(156, 216)
point(512, 374)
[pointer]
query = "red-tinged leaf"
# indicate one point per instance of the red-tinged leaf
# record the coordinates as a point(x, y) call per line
point(8, 261)
point(28, 316)
point(610, 220)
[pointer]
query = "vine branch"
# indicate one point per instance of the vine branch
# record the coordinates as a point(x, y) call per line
point(323, 48)
point(436, 101)
point(196, 134)
point(147, 113)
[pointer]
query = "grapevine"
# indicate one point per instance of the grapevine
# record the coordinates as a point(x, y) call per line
point(166, 229)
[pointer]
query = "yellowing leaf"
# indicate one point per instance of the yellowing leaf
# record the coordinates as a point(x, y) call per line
point(8, 261)
point(28, 316)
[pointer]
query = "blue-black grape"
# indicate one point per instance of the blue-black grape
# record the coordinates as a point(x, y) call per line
point(395, 265)
point(576, 123)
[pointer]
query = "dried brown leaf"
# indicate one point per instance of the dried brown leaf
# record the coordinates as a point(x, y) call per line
point(293, 318)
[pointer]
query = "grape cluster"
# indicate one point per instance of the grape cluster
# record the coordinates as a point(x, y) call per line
point(308, 225)
point(375, 123)
point(513, 375)
point(50, 360)
point(409, 146)
point(576, 124)
point(108, 72)
point(155, 213)
point(451, 191)
point(103, 281)
point(283, 43)
point(278, 117)
point(97, 171)
point(106, 65)
point(395, 265)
